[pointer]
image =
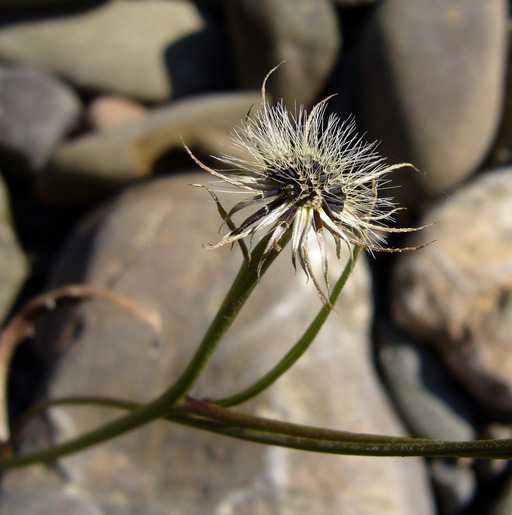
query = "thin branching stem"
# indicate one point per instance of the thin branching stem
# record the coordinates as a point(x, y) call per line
point(243, 285)
point(299, 348)
point(227, 422)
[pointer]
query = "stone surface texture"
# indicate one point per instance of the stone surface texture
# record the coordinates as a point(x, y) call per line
point(84, 168)
point(14, 266)
point(456, 293)
point(147, 245)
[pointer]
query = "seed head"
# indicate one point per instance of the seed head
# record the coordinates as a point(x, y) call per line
point(306, 174)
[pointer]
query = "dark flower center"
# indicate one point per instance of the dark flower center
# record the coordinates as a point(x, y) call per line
point(310, 186)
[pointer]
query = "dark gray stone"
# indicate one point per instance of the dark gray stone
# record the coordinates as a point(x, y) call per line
point(37, 111)
point(429, 400)
point(503, 505)
point(432, 76)
point(455, 484)
point(16, 6)
point(354, 3)
point(304, 33)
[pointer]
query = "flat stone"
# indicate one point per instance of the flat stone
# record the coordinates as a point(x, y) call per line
point(432, 77)
point(88, 167)
point(13, 263)
point(37, 112)
point(456, 293)
point(149, 50)
point(147, 245)
point(304, 33)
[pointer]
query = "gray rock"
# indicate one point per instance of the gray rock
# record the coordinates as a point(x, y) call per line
point(88, 167)
point(148, 245)
point(455, 484)
point(303, 33)
point(13, 263)
point(428, 399)
point(457, 292)
point(432, 86)
point(37, 111)
point(149, 50)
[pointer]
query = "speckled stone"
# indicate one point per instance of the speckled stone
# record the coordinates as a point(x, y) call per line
point(148, 245)
point(456, 293)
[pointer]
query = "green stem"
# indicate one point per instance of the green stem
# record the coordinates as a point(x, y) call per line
point(299, 348)
point(212, 418)
point(243, 285)
point(240, 290)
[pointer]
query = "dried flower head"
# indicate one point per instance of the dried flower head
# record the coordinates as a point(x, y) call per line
point(306, 174)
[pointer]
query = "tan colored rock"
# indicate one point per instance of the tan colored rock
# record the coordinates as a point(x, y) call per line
point(148, 245)
point(85, 168)
point(456, 293)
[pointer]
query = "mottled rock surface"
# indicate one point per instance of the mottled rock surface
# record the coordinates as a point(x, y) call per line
point(456, 293)
point(148, 246)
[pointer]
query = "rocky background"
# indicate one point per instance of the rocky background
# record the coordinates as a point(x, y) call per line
point(94, 100)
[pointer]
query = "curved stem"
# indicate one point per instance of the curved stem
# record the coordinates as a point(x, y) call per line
point(215, 419)
point(299, 348)
point(243, 285)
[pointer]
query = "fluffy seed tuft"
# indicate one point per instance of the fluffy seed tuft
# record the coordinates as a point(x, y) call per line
point(306, 174)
